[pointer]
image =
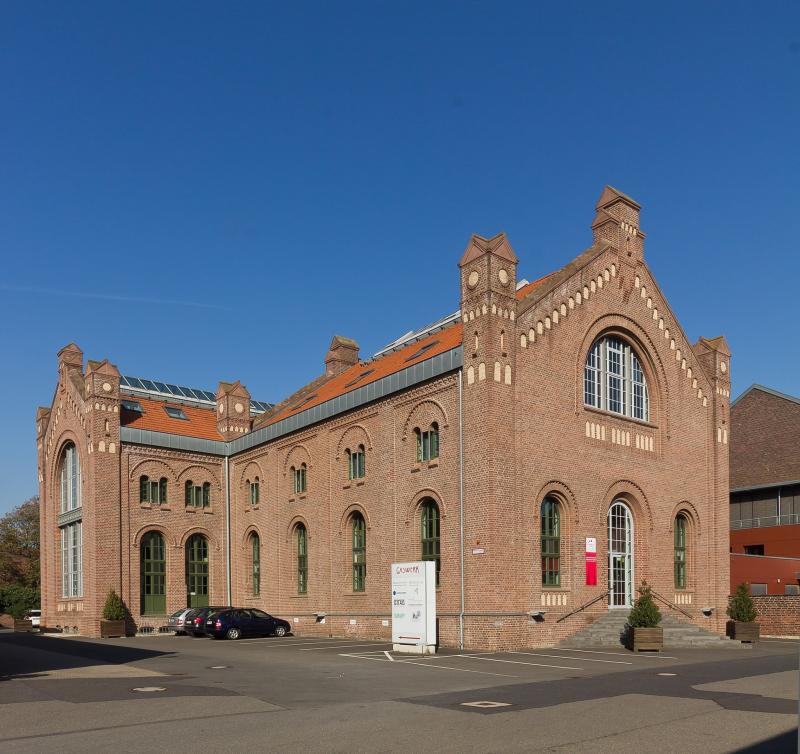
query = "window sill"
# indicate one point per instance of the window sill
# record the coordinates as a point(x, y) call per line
point(351, 593)
point(360, 484)
point(298, 597)
point(346, 486)
point(551, 589)
point(415, 468)
point(620, 417)
point(433, 464)
point(302, 497)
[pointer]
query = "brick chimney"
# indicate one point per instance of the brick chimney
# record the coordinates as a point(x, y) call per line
point(342, 354)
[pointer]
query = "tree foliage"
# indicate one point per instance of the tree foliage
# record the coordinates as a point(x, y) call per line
point(645, 612)
point(19, 546)
point(740, 605)
point(16, 599)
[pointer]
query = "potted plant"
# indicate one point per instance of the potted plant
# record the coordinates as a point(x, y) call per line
point(742, 613)
point(644, 631)
point(114, 616)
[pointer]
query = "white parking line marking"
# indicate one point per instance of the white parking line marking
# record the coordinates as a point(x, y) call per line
point(519, 662)
point(583, 659)
point(388, 654)
point(425, 665)
point(340, 646)
point(616, 654)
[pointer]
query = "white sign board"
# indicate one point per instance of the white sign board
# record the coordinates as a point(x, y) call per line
point(414, 606)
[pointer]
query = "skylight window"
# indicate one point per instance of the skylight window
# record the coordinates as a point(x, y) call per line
point(132, 406)
point(422, 350)
point(175, 413)
point(360, 377)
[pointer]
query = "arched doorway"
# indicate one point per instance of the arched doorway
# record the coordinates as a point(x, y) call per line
point(620, 555)
point(197, 571)
point(154, 574)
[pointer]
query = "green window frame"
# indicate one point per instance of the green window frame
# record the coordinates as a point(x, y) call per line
point(197, 571)
point(152, 491)
point(255, 542)
point(154, 574)
point(680, 551)
point(359, 553)
point(254, 491)
point(197, 496)
point(356, 463)
point(302, 559)
point(427, 443)
point(299, 479)
point(429, 534)
point(551, 542)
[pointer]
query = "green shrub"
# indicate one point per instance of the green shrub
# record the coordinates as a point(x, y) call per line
point(740, 605)
point(16, 599)
point(114, 609)
point(644, 613)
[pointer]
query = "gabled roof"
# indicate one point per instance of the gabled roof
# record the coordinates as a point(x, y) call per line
point(768, 390)
point(366, 372)
point(610, 195)
point(478, 246)
point(200, 421)
point(531, 287)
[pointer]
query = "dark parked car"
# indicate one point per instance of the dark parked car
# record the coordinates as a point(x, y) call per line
point(236, 623)
point(194, 622)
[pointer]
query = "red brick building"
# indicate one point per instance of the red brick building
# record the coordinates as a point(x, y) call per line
point(495, 442)
point(765, 491)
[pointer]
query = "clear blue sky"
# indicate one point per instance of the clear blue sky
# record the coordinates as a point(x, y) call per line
point(205, 191)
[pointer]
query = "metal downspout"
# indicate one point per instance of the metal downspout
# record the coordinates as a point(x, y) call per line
point(461, 500)
point(228, 531)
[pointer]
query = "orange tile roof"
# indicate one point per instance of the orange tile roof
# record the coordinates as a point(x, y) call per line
point(199, 422)
point(437, 343)
point(530, 287)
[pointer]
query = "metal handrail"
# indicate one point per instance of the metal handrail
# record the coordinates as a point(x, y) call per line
point(583, 607)
point(669, 604)
point(786, 519)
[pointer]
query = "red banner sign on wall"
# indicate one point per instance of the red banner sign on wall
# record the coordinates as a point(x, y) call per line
point(591, 561)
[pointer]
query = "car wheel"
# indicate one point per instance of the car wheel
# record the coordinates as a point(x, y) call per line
point(233, 633)
point(280, 631)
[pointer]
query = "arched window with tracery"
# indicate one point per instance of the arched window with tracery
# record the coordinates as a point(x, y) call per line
point(71, 533)
point(614, 380)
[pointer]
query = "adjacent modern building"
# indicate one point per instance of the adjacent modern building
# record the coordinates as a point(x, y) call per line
point(765, 491)
point(539, 422)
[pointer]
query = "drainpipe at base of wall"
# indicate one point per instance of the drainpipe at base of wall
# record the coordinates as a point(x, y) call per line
point(461, 501)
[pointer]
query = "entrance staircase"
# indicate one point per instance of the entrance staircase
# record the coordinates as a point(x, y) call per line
point(609, 631)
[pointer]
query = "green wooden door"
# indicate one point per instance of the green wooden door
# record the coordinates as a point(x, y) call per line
point(154, 574)
point(197, 571)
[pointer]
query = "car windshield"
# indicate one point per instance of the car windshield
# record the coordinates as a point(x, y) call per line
point(178, 613)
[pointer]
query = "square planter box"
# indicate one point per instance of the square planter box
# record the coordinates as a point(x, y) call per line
point(112, 628)
point(651, 639)
point(743, 631)
point(23, 625)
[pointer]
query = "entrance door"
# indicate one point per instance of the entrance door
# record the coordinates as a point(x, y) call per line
point(197, 571)
point(154, 574)
point(620, 555)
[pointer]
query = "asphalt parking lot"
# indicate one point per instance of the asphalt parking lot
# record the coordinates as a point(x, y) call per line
point(313, 694)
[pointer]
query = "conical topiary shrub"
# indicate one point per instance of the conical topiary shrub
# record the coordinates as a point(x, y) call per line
point(645, 612)
point(114, 609)
point(740, 605)
point(742, 611)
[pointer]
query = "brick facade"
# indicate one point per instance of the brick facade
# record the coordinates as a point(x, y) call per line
point(778, 615)
point(513, 429)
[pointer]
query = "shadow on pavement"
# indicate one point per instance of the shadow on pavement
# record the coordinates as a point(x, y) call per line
point(27, 655)
point(785, 742)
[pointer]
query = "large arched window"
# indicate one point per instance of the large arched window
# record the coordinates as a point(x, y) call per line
point(71, 533)
point(302, 559)
point(430, 535)
point(680, 551)
point(154, 574)
point(255, 544)
point(613, 379)
point(70, 479)
point(197, 571)
point(551, 542)
point(359, 553)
